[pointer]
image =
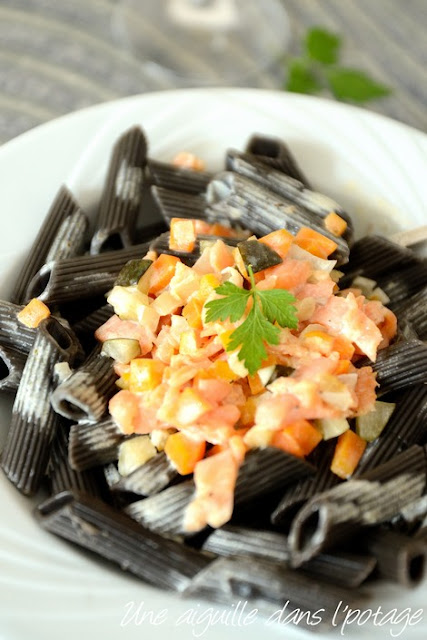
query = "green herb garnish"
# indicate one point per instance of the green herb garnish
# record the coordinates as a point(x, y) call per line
point(318, 70)
point(269, 307)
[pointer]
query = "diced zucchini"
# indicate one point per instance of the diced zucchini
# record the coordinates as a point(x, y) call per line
point(132, 272)
point(332, 427)
point(122, 350)
point(258, 255)
point(371, 425)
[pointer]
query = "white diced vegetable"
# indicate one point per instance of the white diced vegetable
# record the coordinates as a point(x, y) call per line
point(122, 350)
point(135, 452)
point(332, 427)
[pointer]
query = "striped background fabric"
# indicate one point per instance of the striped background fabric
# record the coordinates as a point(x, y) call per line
point(57, 57)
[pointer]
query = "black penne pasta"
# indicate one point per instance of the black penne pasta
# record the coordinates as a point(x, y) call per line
point(122, 194)
point(82, 277)
point(164, 511)
point(298, 494)
point(94, 525)
point(414, 311)
point(406, 426)
point(340, 567)
point(289, 188)
point(14, 334)
point(403, 283)
point(250, 205)
point(371, 499)
point(147, 233)
point(94, 444)
point(373, 255)
point(150, 478)
point(400, 558)
point(266, 470)
point(343, 568)
point(12, 364)
point(63, 478)
point(231, 540)
point(63, 206)
point(271, 590)
point(412, 517)
point(70, 237)
point(275, 153)
point(176, 204)
point(34, 423)
point(170, 176)
point(85, 328)
point(402, 364)
point(111, 474)
point(84, 395)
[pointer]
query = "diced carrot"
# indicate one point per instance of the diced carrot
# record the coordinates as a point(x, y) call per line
point(247, 416)
point(320, 341)
point(344, 347)
point(159, 274)
point(342, 367)
point(201, 226)
point(192, 312)
point(348, 451)
point(335, 224)
point(145, 374)
point(184, 452)
point(315, 242)
point(33, 313)
point(188, 160)
point(191, 406)
point(221, 230)
point(298, 438)
point(255, 384)
point(182, 235)
point(279, 240)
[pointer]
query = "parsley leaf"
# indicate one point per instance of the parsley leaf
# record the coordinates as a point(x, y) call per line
point(277, 307)
point(351, 84)
point(258, 327)
point(250, 336)
point(322, 45)
point(232, 305)
point(300, 78)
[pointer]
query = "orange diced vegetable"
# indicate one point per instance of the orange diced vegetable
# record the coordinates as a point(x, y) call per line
point(192, 312)
point(33, 313)
point(217, 229)
point(247, 412)
point(298, 438)
point(145, 374)
point(320, 341)
point(159, 274)
point(344, 347)
point(188, 160)
point(255, 384)
point(279, 240)
point(182, 235)
point(342, 367)
point(335, 224)
point(315, 243)
point(348, 451)
point(191, 406)
point(184, 452)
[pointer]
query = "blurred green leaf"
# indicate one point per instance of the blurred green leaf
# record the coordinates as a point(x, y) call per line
point(354, 85)
point(322, 45)
point(301, 78)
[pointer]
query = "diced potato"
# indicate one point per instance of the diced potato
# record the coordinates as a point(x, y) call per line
point(184, 283)
point(166, 303)
point(148, 317)
point(121, 349)
point(135, 452)
point(332, 427)
point(127, 301)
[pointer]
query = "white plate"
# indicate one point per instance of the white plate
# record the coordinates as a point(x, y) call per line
point(375, 167)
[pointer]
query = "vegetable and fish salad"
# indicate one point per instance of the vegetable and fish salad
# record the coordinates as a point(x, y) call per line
point(252, 346)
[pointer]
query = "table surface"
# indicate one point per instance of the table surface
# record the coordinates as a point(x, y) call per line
point(58, 56)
